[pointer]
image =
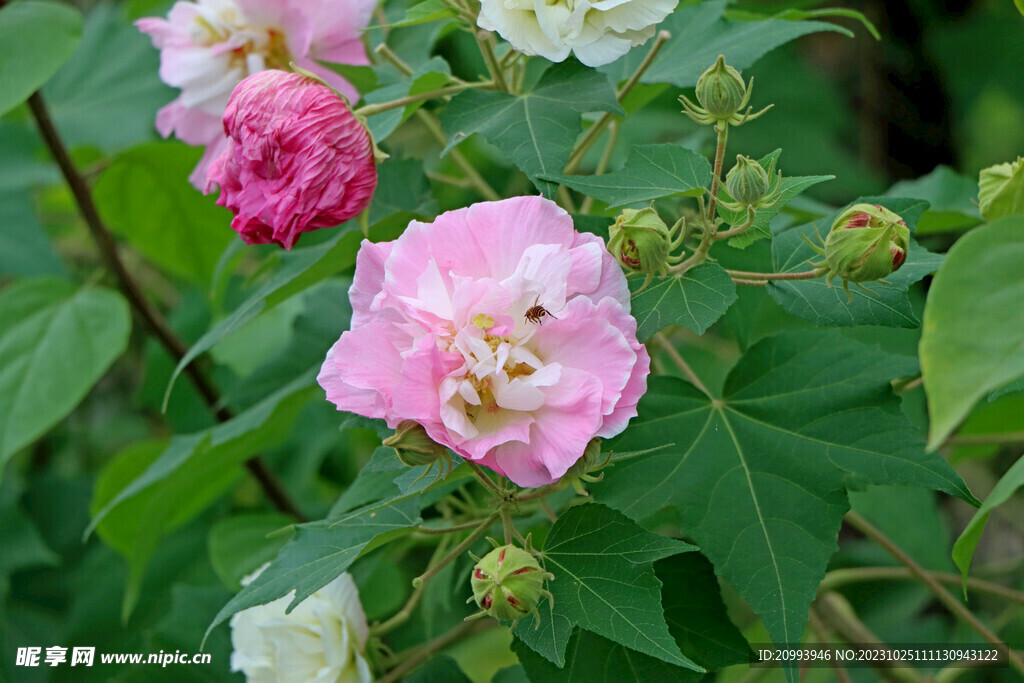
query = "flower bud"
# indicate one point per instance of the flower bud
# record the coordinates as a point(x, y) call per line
point(296, 159)
point(721, 90)
point(414, 446)
point(747, 182)
point(640, 240)
point(867, 242)
point(508, 582)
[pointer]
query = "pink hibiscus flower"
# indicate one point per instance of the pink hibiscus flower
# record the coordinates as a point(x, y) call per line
point(445, 331)
point(208, 47)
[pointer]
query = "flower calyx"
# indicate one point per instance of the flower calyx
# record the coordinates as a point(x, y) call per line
point(642, 243)
point(867, 242)
point(415, 448)
point(590, 461)
point(722, 95)
point(508, 583)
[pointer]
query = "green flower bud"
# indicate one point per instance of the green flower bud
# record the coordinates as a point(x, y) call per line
point(747, 182)
point(640, 240)
point(721, 90)
point(867, 242)
point(508, 583)
point(414, 446)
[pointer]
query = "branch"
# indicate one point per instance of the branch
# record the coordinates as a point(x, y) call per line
point(150, 316)
point(425, 651)
point(681, 363)
point(372, 109)
point(594, 132)
point(944, 596)
point(840, 577)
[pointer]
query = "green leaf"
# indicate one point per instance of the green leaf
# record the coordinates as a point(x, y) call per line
point(1001, 190)
point(605, 582)
point(55, 341)
point(536, 131)
point(694, 300)
point(650, 172)
point(700, 34)
point(431, 75)
point(299, 270)
point(876, 304)
point(791, 187)
point(1020, 5)
point(757, 474)
point(970, 342)
point(318, 553)
point(38, 37)
point(429, 10)
point(145, 198)
point(951, 198)
point(150, 489)
point(23, 546)
point(696, 615)
point(24, 246)
point(963, 549)
point(402, 193)
point(242, 544)
point(108, 94)
point(593, 659)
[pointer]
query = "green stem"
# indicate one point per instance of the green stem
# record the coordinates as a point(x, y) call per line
point(751, 275)
point(506, 523)
point(602, 164)
point(841, 618)
point(449, 529)
point(978, 439)
point(403, 614)
point(485, 41)
point(738, 230)
point(944, 596)
point(394, 60)
point(150, 315)
point(840, 577)
point(433, 126)
point(425, 651)
point(722, 128)
point(821, 633)
point(482, 477)
point(594, 132)
point(372, 109)
point(750, 283)
point(681, 363)
point(459, 550)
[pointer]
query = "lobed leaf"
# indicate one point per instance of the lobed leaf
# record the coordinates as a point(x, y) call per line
point(605, 583)
point(700, 34)
point(695, 300)
point(757, 475)
point(318, 553)
point(536, 130)
point(650, 172)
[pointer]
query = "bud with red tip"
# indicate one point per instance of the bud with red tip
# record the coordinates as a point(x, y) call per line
point(297, 159)
point(508, 583)
point(867, 242)
point(640, 240)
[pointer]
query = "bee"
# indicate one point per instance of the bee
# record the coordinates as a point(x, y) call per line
point(535, 314)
